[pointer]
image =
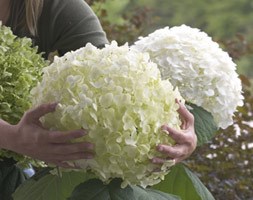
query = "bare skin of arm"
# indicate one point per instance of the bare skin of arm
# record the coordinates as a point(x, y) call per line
point(28, 137)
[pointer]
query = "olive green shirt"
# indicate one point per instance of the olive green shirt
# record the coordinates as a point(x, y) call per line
point(64, 25)
point(67, 25)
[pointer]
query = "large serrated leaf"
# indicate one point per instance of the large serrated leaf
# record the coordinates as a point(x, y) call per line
point(182, 182)
point(95, 190)
point(50, 187)
point(205, 127)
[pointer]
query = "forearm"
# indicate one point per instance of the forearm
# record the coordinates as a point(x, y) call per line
point(6, 132)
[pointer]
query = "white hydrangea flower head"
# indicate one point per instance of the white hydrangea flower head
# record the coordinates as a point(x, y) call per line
point(204, 74)
point(117, 94)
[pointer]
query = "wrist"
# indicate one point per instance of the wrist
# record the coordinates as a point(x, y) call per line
point(7, 132)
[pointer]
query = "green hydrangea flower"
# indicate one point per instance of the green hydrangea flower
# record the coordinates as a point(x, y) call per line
point(20, 71)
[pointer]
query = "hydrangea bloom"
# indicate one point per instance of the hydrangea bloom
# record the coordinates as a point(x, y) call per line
point(204, 74)
point(20, 70)
point(118, 95)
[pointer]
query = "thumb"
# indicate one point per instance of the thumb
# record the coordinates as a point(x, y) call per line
point(36, 113)
point(184, 113)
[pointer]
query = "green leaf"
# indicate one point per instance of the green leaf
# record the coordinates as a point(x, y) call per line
point(205, 127)
point(50, 187)
point(182, 182)
point(95, 190)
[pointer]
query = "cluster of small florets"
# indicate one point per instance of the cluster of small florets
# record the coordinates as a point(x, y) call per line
point(204, 74)
point(118, 95)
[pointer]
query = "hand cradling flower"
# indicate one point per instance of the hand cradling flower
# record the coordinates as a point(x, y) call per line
point(118, 96)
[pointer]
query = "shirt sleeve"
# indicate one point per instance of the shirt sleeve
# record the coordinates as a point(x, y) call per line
point(67, 25)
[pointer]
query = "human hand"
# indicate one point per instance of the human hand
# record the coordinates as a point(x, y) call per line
point(32, 139)
point(186, 139)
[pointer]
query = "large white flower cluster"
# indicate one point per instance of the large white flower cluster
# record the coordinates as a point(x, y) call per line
point(117, 94)
point(203, 72)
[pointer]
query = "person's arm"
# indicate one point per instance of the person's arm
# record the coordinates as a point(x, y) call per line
point(186, 139)
point(29, 138)
point(67, 25)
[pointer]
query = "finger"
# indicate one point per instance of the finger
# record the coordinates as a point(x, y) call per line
point(185, 114)
point(158, 160)
point(63, 137)
point(35, 113)
point(53, 158)
point(62, 164)
point(177, 135)
point(69, 165)
point(65, 165)
point(74, 156)
point(65, 149)
point(174, 152)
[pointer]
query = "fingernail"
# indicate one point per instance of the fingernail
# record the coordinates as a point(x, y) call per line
point(53, 105)
point(83, 132)
point(178, 100)
point(88, 156)
point(159, 148)
point(164, 129)
point(90, 146)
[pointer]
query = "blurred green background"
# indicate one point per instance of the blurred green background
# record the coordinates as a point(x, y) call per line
point(224, 165)
point(223, 20)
